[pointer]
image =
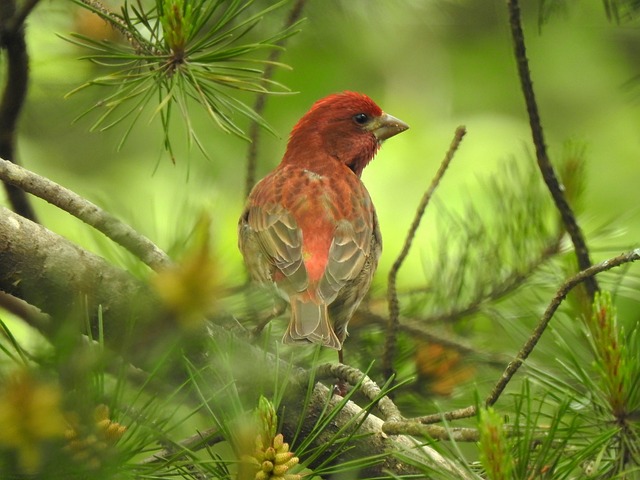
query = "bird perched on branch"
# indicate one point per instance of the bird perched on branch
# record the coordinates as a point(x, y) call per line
point(309, 227)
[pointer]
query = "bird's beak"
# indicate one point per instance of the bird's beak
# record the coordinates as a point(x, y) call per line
point(386, 126)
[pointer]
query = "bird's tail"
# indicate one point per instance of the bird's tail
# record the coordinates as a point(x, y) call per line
point(310, 323)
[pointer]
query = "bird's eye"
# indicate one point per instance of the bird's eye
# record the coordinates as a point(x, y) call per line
point(361, 118)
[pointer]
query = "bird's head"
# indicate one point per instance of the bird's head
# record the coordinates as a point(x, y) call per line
point(348, 127)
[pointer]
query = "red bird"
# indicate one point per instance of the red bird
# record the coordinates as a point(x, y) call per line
point(309, 227)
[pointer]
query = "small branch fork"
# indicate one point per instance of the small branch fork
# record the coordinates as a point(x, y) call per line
point(392, 294)
point(544, 164)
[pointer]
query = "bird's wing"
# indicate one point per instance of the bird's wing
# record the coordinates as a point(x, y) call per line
point(279, 240)
point(349, 250)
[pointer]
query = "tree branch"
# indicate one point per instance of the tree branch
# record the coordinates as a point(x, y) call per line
point(530, 344)
point(544, 164)
point(392, 294)
point(51, 273)
point(21, 15)
point(560, 295)
point(12, 40)
point(368, 387)
point(71, 284)
point(116, 230)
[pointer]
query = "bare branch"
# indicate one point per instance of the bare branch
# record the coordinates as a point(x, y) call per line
point(21, 309)
point(392, 294)
point(544, 164)
point(71, 202)
point(18, 19)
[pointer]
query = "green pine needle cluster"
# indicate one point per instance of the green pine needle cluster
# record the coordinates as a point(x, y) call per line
point(178, 56)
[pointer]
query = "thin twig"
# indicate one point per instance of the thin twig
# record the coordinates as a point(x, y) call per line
point(530, 344)
point(195, 442)
point(261, 100)
point(71, 202)
point(31, 315)
point(392, 294)
point(114, 20)
point(436, 432)
point(544, 164)
point(560, 295)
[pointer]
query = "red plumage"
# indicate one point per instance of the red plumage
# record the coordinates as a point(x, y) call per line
point(310, 227)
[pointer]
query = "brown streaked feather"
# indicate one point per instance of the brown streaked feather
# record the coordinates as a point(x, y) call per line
point(277, 234)
point(347, 254)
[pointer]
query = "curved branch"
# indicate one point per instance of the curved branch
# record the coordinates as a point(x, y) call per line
point(392, 294)
point(12, 39)
point(560, 295)
point(71, 202)
point(544, 164)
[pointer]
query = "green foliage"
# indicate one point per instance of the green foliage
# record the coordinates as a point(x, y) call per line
point(598, 380)
point(494, 450)
point(493, 247)
point(180, 54)
point(619, 10)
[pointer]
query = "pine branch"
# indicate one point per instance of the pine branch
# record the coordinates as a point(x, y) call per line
point(368, 387)
point(527, 348)
point(558, 298)
point(544, 164)
point(49, 272)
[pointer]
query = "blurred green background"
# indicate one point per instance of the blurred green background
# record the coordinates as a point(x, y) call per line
point(434, 64)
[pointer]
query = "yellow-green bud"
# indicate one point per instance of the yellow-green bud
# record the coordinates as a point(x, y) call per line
point(262, 476)
point(278, 441)
point(280, 470)
point(270, 453)
point(283, 457)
